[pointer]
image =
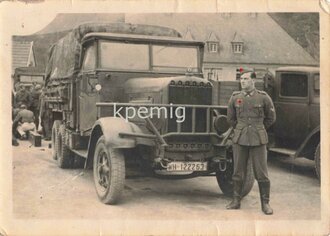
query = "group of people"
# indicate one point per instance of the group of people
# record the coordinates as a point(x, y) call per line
point(26, 104)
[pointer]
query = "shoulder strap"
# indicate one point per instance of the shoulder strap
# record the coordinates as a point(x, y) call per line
point(236, 93)
point(262, 92)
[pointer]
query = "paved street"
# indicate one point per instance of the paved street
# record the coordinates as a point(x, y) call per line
point(41, 190)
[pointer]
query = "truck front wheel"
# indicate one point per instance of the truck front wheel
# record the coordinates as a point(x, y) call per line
point(109, 172)
point(55, 130)
point(317, 160)
point(65, 157)
point(224, 178)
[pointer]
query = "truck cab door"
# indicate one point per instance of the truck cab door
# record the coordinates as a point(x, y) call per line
point(88, 95)
point(292, 109)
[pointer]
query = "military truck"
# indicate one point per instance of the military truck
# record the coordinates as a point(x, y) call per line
point(296, 96)
point(121, 93)
point(27, 76)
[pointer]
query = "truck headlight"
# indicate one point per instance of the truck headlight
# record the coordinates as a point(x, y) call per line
point(220, 124)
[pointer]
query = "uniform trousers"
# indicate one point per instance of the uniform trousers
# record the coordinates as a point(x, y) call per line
point(26, 126)
point(258, 155)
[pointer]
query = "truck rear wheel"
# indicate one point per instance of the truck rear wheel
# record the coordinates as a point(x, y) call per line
point(225, 182)
point(109, 172)
point(55, 130)
point(65, 157)
point(317, 159)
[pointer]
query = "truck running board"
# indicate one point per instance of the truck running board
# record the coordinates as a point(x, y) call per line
point(81, 152)
point(285, 151)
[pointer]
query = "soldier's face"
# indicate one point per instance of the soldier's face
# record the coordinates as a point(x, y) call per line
point(246, 82)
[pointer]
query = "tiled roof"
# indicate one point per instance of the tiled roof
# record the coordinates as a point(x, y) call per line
point(20, 53)
point(265, 42)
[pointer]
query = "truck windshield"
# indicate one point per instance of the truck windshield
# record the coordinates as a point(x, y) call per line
point(31, 78)
point(124, 56)
point(129, 56)
point(174, 58)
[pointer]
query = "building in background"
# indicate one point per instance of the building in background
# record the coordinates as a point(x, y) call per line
point(22, 54)
point(234, 41)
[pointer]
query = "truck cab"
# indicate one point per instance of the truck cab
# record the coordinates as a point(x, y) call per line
point(296, 131)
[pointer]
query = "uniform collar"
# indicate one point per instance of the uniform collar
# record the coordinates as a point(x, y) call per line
point(249, 93)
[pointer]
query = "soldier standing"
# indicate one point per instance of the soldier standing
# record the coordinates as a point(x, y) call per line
point(45, 116)
point(23, 96)
point(35, 106)
point(250, 113)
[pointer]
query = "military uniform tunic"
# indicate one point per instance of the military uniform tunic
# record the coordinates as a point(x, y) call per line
point(250, 114)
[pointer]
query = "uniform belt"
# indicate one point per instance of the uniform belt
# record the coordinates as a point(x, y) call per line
point(241, 124)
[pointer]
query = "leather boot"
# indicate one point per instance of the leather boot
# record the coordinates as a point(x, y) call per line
point(237, 195)
point(264, 189)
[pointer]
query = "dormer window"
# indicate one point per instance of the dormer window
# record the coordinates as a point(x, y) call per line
point(237, 48)
point(213, 43)
point(213, 47)
point(237, 44)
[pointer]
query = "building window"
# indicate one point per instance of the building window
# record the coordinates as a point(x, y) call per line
point(237, 48)
point(253, 14)
point(226, 15)
point(213, 47)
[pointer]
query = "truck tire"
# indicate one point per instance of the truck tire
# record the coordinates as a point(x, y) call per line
point(224, 179)
point(65, 157)
point(317, 159)
point(109, 172)
point(55, 129)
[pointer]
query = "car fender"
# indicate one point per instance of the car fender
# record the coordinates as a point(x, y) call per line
point(110, 128)
point(311, 140)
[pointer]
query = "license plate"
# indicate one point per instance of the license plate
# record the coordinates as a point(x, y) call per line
point(187, 166)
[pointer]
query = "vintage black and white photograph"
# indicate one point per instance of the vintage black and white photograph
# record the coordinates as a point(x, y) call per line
point(179, 116)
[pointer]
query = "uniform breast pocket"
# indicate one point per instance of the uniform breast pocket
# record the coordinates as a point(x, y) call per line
point(258, 109)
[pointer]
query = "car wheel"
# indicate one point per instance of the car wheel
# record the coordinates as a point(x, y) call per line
point(317, 159)
point(55, 129)
point(109, 172)
point(225, 182)
point(65, 157)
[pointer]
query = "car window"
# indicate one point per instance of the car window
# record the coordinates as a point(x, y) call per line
point(90, 59)
point(294, 85)
point(317, 85)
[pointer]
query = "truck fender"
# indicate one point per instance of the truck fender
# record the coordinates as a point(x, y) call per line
point(110, 127)
point(309, 144)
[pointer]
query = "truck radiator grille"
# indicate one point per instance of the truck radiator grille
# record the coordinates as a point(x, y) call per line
point(190, 93)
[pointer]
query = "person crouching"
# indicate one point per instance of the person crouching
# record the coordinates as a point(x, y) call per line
point(25, 121)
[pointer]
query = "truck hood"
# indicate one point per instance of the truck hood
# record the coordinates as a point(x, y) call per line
point(138, 85)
